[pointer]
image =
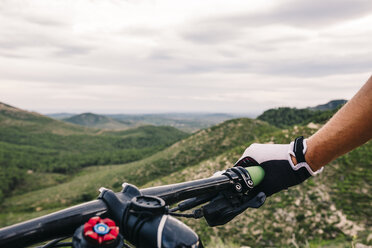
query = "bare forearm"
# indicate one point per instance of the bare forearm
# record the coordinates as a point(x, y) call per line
point(349, 128)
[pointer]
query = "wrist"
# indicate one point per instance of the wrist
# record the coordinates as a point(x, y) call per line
point(310, 155)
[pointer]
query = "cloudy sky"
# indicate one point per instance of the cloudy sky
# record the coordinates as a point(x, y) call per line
point(146, 56)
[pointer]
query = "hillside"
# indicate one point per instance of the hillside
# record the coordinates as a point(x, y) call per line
point(334, 104)
point(203, 145)
point(284, 117)
point(36, 123)
point(31, 144)
point(330, 210)
point(99, 121)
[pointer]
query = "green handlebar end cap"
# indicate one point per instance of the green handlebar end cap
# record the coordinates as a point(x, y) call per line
point(257, 174)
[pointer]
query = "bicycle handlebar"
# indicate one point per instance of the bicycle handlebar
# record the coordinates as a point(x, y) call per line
point(64, 222)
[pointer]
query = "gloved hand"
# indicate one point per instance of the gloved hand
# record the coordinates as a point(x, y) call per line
point(275, 159)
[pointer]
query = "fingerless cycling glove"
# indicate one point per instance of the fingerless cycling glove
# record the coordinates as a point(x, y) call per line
point(275, 159)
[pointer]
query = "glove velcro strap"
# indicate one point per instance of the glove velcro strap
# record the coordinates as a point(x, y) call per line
point(298, 149)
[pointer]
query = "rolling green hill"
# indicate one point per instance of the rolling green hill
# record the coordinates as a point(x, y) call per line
point(31, 143)
point(203, 145)
point(32, 122)
point(100, 121)
point(285, 117)
point(330, 210)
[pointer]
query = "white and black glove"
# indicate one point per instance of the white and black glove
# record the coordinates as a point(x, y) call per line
point(275, 159)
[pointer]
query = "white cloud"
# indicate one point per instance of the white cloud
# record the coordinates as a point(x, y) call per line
point(159, 56)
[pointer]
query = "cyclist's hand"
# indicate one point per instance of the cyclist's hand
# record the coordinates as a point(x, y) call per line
point(275, 159)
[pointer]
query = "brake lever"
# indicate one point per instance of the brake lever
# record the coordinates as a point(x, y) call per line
point(225, 206)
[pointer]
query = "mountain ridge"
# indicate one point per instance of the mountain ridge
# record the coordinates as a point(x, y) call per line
point(187, 122)
point(99, 121)
point(283, 117)
point(331, 105)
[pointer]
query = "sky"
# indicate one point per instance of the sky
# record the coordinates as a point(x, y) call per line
point(147, 56)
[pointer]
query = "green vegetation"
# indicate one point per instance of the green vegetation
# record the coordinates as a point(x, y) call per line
point(201, 146)
point(319, 213)
point(329, 210)
point(33, 143)
point(352, 189)
point(285, 117)
point(64, 154)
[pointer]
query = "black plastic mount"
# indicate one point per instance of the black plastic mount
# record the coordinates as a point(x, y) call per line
point(130, 199)
point(153, 204)
point(242, 180)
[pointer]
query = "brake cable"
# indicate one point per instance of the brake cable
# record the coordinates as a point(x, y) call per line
point(56, 243)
